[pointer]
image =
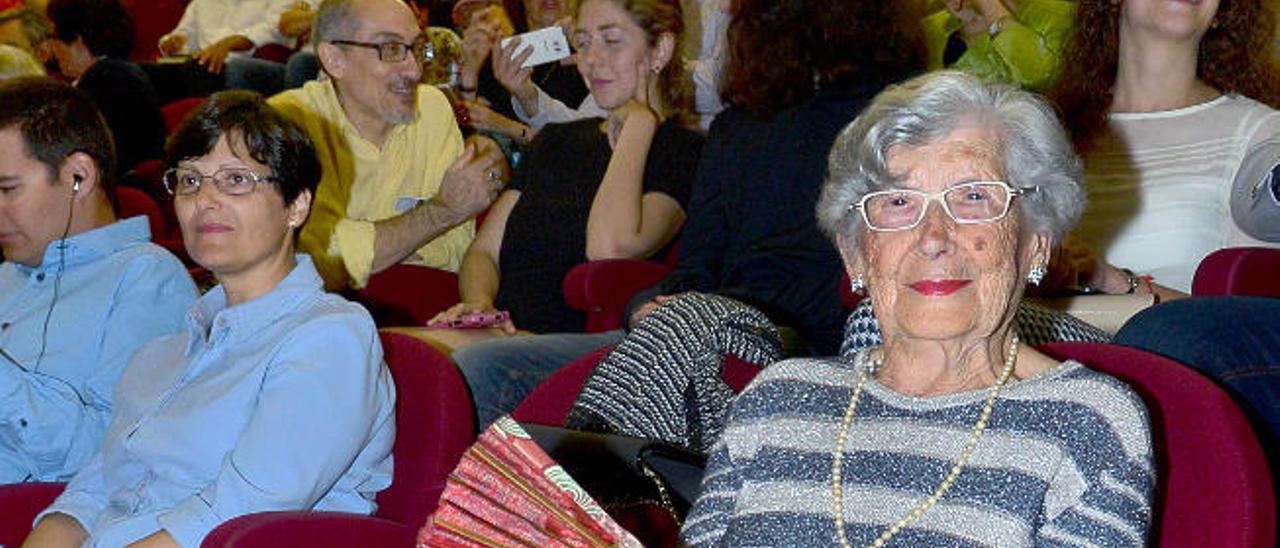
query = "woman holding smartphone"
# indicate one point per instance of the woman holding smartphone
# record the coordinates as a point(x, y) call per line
point(588, 190)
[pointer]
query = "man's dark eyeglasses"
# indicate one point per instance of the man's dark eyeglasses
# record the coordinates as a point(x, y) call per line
point(394, 52)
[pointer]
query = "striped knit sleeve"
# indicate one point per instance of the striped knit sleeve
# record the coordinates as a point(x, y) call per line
point(709, 517)
point(1103, 502)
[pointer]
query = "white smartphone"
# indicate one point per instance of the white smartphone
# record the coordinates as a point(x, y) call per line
point(549, 44)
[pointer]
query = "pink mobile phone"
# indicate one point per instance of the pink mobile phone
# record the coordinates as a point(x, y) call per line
point(474, 320)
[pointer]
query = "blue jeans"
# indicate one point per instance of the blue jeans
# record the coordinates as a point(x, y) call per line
point(1233, 340)
point(501, 372)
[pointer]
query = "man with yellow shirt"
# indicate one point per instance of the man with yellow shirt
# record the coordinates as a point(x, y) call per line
point(398, 185)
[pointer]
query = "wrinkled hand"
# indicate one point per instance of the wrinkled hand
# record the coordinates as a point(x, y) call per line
point(507, 62)
point(477, 41)
point(214, 57)
point(643, 310)
point(971, 17)
point(173, 44)
point(459, 310)
point(473, 181)
point(480, 116)
point(296, 20)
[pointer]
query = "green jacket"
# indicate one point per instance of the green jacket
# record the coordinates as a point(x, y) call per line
point(1026, 51)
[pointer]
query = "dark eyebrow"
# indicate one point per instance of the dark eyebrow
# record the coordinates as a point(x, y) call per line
point(7, 178)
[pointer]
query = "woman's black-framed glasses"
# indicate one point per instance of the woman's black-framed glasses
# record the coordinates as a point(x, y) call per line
point(392, 51)
point(232, 181)
point(970, 202)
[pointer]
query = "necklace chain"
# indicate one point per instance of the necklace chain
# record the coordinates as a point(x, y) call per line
point(837, 490)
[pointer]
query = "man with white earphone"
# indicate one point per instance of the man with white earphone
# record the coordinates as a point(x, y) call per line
point(80, 291)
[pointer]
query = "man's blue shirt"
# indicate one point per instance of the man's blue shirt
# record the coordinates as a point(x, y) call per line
point(115, 291)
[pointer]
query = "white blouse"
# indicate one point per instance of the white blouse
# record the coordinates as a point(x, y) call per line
point(1160, 185)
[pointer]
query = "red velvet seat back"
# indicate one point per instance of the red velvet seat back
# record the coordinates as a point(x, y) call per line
point(1239, 271)
point(131, 202)
point(1214, 488)
point(174, 112)
point(434, 425)
point(409, 295)
point(151, 20)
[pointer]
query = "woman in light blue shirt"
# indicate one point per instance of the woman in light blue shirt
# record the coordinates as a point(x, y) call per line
point(274, 397)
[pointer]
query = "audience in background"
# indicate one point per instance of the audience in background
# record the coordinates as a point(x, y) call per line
point(756, 278)
point(1163, 101)
point(483, 84)
point(588, 190)
point(235, 391)
point(26, 29)
point(398, 184)
point(16, 62)
point(80, 290)
point(91, 41)
point(1168, 104)
point(220, 37)
point(1016, 41)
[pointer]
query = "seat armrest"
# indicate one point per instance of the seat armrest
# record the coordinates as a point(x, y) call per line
point(312, 529)
point(602, 288)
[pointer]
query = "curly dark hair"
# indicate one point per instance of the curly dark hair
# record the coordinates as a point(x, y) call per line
point(105, 25)
point(781, 51)
point(1235, 56)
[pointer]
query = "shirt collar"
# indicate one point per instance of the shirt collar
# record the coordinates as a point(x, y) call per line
point(97, 242)
point(210, 319)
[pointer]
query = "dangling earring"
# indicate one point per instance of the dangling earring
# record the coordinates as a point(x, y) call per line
point(857, 284)
point(1037, 274)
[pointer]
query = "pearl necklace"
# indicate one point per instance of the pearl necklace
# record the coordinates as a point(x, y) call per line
point(837, 491)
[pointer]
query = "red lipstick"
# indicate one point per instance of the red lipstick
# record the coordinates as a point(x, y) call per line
point(938, 288)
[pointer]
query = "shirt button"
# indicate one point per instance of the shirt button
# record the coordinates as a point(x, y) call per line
point(22, 423)
point(40, 277)
point(4, 325)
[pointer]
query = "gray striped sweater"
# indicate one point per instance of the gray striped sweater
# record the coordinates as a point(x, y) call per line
point(1065, 461)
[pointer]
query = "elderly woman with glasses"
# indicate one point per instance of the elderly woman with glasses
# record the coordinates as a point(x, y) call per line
point(944, 198)
point(274, 396)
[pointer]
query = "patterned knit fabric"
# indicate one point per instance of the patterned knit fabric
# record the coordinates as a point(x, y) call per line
point(1035, 325)
point(1066, 459)
point(663, 381)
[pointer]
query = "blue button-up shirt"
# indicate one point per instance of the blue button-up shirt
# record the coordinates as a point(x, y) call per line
point(282, 402)
point(114, 292)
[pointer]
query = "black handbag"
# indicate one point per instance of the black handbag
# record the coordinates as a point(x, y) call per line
point(620, 471)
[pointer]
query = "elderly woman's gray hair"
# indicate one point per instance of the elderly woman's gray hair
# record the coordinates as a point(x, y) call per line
point(924, 110)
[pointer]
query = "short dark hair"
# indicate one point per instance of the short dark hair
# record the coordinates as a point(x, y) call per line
point(56, 121)
point(105, 25)
point(270, 139)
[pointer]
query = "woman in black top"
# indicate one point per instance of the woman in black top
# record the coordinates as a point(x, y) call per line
point(592, 189)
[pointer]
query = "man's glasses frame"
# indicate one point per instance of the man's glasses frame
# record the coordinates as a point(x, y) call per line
point(940, 197)
point(393, 51)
